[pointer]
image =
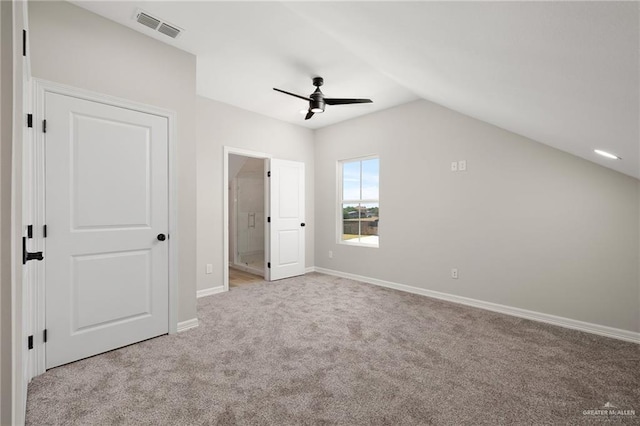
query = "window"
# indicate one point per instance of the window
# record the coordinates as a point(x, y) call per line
point(359, 206)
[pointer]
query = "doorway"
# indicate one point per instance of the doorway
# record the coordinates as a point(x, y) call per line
point(284, 208)
point(247, 219)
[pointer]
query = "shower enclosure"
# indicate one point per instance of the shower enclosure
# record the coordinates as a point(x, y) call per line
point(249, 216)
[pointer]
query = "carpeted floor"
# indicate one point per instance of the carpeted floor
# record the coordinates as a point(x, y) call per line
point(326, 350)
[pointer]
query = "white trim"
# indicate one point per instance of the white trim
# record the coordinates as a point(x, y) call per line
point(225, 209)
point(601, 330)
point(22, 362)
point(173, 236)
point(210, 291)
point(249, 269)
point(359, 244)
point(310, 269)
point(41, 87)
point(187, 325)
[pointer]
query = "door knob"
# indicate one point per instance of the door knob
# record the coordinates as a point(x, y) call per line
point(303, 224)
point(161, 237)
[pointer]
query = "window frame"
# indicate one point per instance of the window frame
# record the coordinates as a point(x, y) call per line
point(341, 200)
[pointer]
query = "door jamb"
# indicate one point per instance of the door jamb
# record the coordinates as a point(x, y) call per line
point(41, 87)
point(225, 209)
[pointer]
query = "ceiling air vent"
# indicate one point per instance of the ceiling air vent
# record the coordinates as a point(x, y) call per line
point(157, 24)
point(147, 20)
point(169, 30)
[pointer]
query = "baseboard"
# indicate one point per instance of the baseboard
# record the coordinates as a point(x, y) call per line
point(209, 291)
point(601, 330)
point(310, 269)
point(188, 324)
point(248, 269)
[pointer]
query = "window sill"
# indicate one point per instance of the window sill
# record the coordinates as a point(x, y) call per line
point(359, 244)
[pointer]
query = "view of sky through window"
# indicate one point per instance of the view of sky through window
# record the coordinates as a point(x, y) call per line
point(360, 179)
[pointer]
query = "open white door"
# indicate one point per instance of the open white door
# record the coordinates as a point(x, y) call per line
point(106, 251)
point(287, 219)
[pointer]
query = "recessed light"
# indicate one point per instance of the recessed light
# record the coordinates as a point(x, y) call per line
point(607, 154)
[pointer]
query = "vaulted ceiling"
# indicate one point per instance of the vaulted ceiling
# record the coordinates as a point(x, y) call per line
point(565, 74)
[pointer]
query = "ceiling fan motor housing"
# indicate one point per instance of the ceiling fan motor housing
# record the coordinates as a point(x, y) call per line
point(316, 104)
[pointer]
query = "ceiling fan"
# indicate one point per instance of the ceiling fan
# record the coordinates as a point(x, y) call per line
point(317, 101)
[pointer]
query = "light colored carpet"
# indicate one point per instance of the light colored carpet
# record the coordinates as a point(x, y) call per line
point(325, 350)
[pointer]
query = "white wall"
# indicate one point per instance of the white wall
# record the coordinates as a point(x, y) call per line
point(218, 125)
point(527, 226)
point(72, 46)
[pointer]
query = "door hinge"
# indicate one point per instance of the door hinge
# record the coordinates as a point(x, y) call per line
point(269, 174)
point(30, 231)
point(24, 42)
point(30, 342)
point(269, 219)
point(44, 126)
point(269, 265)
point(44, 231)
point(44, 335)
point(29, 120)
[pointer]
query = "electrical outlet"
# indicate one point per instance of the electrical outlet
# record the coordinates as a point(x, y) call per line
point(454, 166)
point(454, 273)
point(330, 254)
point(462, 165)
point(209, 268)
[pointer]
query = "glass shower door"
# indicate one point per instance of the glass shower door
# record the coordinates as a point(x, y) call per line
point(250, 222)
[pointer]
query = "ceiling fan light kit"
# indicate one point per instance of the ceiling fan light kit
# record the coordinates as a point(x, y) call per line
point(317, 101)
point(316, 105)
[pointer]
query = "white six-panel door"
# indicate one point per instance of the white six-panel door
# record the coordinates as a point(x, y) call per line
point(287, 232)
point(106, 204)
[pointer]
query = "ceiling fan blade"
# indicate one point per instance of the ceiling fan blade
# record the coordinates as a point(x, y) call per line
point(338, 101)
point(309, 115)
point(292, 94)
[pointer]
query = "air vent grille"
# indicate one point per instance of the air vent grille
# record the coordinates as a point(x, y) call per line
point(157, 24)
point(147, 21)
point(169, 30)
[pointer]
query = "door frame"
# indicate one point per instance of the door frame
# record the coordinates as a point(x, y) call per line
point(41, 88)
point(227, 150)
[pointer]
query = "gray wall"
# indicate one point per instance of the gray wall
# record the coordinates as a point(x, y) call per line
point(218, 125)
point(13, 125)
point(6, 128)
point(527, 226)
point(73, 46)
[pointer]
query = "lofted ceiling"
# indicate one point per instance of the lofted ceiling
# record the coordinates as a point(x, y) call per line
point(565, 74)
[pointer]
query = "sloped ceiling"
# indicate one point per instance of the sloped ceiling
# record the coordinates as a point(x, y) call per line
point(565, 74)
